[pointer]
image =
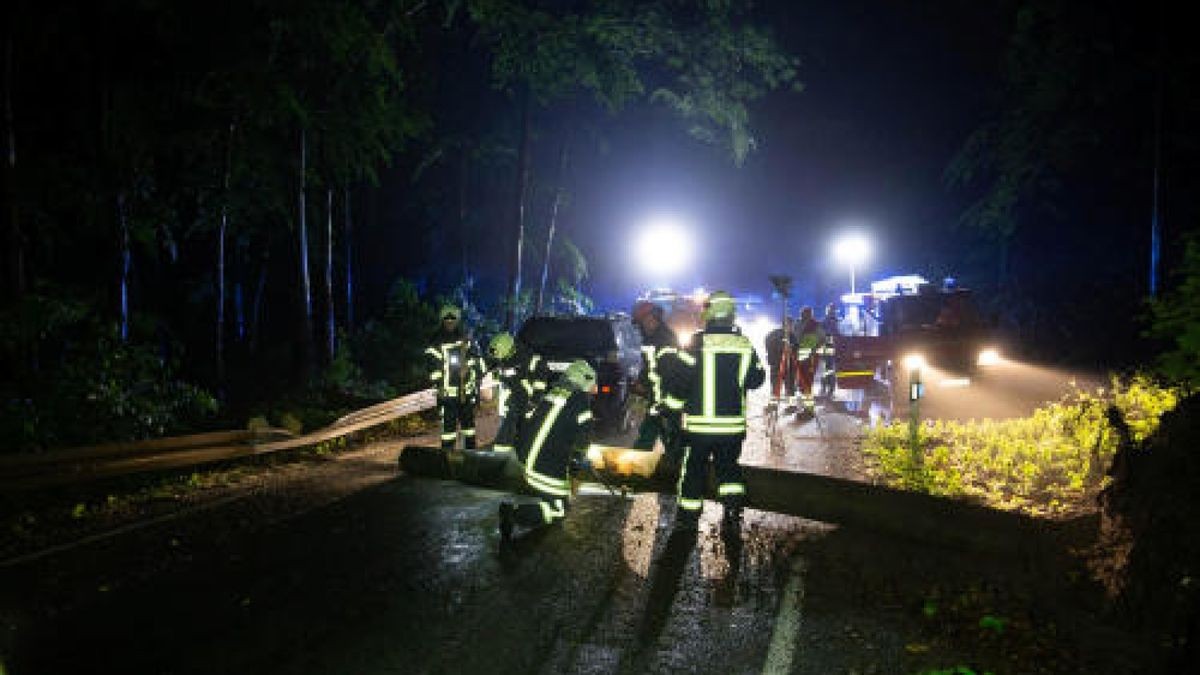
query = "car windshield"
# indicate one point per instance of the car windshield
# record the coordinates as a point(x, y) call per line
point(561, 337)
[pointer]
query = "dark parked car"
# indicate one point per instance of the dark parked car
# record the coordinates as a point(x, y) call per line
point(610, 343)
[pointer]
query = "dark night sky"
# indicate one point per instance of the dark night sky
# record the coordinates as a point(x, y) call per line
point(890, 93)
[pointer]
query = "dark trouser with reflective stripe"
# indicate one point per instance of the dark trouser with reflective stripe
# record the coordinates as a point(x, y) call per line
point(510, 429)
point(456, 415)
point(724, 452)
point(662, 424)
point(548, 480)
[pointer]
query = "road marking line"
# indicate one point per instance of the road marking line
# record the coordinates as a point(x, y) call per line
point(782, 652)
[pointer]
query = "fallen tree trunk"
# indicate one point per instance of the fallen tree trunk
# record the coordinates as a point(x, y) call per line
point(897, 513)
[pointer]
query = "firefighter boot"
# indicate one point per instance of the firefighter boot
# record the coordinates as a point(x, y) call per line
point(731, 520)
point(687, 520)
point(507, 520)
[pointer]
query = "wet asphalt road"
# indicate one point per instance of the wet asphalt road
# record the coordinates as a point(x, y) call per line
point(409, 576)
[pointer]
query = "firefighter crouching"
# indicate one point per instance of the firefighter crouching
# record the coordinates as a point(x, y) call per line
point(556, 429)
point(523, 377)
point(810, 340)
point(662, 413)
point(456, 369)
point(712, 376)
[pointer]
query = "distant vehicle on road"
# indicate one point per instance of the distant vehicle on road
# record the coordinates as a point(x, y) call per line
point(611, 344)
point(906, 322)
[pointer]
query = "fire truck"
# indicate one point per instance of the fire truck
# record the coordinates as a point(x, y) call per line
point(905, 332)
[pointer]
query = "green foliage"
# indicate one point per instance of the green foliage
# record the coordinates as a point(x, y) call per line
point(703, 61)
point(391, 348)
point(1058, 72)
point(1175, 319)
point(1050, 463)
point(86, 386)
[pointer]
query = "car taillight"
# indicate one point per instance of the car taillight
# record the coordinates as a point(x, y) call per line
point(605, 389)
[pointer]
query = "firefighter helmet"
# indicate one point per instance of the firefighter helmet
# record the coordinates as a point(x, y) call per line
point(502, 346)
point(579, 376)
point(720, 308)
point(449, 313)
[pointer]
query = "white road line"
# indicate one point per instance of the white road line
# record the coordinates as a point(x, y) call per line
point(782, 652)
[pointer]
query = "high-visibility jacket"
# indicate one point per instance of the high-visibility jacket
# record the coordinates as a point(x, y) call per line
point(654, 346)
point(558, 426)
point(711, 378)
point(810, 338)
point(455, 366)
point(524, 377)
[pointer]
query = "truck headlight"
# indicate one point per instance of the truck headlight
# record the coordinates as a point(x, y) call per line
point(989, 356)
point(914, 361)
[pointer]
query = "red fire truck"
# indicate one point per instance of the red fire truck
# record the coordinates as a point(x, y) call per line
point(904, 325)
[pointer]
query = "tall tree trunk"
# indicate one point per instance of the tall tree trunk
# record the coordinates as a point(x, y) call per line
point(16, 238)
point(222, 232)
point(259, 291)
point(330, 331)
point(1155, 198)
point(305, 281)
point(518, 214)
point(239, 311)
point(554, 210)
point(126, 264)
point(464, 174)
point(349, 240)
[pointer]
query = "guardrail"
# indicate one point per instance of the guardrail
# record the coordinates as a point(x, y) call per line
point(78, 465)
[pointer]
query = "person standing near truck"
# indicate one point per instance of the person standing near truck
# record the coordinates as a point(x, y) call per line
point(810, 339)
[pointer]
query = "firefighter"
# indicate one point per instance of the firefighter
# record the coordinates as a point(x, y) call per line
point(556, 430)
point(523, 377)
point(810, 339)
point(662, 415)
point(781, 350)
point(456, 369)
point(826, 368)
point(712, 377)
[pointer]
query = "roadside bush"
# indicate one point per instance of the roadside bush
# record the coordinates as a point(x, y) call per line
point(391, 348)
point(1050, 463)
point(1152, 530)
point(104, 391)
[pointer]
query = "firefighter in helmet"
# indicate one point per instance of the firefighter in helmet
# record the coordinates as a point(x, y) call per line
point(810, 340)
point(712, 376)
point(556, 430)
point(781, 354)
point(456, 370)
point(523, 377)
point(663, 413)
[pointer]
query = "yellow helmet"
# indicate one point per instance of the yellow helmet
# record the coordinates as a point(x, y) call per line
point(502, 346)
point(449, 312)
point(720, 307)
point(579, 376)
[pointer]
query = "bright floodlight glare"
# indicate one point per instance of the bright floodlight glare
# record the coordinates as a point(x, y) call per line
point(989, 357)
point(664, 247)
point(851, 249)
point(914, 361)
